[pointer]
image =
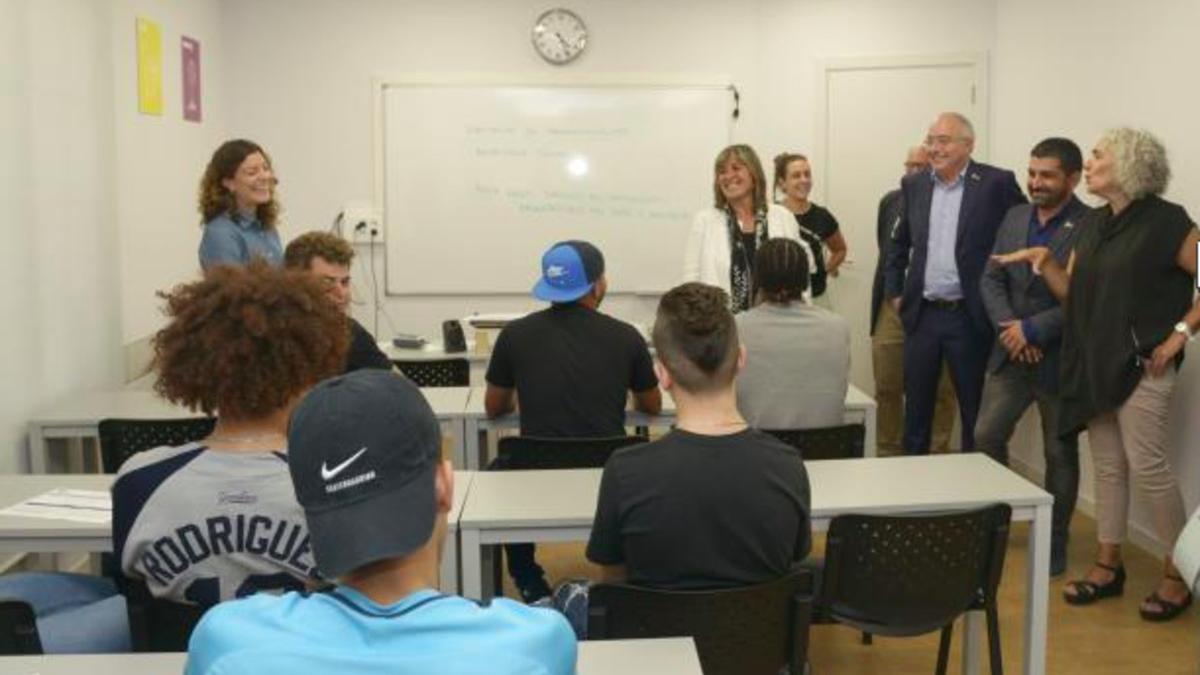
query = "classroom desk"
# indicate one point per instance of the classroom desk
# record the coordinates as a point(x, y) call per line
point(76, 417)
point(537, 506)
point(665, 656)
point(41, 535)
point(860, 409)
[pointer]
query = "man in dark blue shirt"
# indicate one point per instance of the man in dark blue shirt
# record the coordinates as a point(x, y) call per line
point(1023, 367)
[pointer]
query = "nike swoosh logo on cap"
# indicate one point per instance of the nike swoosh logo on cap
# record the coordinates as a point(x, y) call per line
point(330, 474)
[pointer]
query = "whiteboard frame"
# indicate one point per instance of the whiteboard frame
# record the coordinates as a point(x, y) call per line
point(380, 85)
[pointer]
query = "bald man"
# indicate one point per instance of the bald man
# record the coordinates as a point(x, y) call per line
point(887, 338)
point(938, 251)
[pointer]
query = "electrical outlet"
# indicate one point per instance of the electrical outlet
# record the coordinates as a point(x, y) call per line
point(361, 224)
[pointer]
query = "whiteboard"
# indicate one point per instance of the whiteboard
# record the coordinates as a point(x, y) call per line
point(479, 180)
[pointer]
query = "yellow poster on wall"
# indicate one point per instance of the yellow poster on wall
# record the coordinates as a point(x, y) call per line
point(149, 65)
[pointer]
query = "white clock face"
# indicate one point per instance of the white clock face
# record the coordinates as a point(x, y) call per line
point(559, 36)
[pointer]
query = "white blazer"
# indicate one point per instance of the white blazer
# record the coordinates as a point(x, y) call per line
point(707, 257)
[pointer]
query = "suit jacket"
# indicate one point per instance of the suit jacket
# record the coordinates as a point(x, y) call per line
point(988, 193)
point(1015, 292)
point(890, 208)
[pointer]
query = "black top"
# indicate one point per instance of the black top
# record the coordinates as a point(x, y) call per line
point(695, 512)
point(818, 220)
point(363, 352)
point(572, 368)
point(1126, 294)
point(816, 225)
point(750, 243)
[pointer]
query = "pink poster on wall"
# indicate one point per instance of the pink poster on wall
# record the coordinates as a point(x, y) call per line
point(190, 57)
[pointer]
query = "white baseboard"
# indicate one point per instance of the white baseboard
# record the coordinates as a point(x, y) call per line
point(1138, 534)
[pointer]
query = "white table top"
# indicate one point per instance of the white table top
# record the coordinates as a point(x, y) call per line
point(97, 537)
point(88, 408)
point(567, 498)
point(433, 351)
point(670, 656)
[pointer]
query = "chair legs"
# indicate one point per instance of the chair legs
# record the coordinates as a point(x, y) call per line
point(993, 627)
point(944, 648)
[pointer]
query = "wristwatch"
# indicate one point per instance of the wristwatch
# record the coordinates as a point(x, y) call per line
point(1183, 329)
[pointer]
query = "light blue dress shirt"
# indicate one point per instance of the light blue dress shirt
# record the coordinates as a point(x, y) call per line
point(941, 268)
point(236, 239)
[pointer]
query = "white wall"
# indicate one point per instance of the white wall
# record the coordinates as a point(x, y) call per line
point(159, 159)
point(1075, 68)
point(60, 332)
point(308, 95)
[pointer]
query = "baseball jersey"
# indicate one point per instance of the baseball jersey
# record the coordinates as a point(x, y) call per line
point(203, 526)
point(343, 631)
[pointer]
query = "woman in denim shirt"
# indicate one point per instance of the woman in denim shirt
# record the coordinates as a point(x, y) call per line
point(238, 207)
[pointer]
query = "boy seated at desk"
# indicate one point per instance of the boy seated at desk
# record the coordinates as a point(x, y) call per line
point(217, 518)
point(712, 504)
point(365, 461)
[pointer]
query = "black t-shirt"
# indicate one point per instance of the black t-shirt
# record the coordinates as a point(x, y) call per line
point(363, 352)
point(693, 512)
point(572, 368)
point(816, 225)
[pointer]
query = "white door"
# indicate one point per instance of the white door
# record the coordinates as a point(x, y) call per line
point(874, 110)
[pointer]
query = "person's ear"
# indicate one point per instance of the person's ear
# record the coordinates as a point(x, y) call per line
point(663, 375)
point(444, 485)
point(741, 359)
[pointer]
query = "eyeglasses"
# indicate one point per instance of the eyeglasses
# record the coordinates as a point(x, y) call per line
point(939, 141)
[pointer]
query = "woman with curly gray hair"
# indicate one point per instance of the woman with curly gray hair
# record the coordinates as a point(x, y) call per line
point(1127, 294)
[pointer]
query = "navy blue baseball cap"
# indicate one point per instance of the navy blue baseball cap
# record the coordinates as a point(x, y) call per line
point(363, 449)
point(569, 270)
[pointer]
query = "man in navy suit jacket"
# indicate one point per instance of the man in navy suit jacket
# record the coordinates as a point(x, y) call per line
point(1023, 368)
point(948, 227)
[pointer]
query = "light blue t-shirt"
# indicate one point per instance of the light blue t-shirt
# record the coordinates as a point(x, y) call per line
point(236, 239)
point(941, 267)
point(343, 631)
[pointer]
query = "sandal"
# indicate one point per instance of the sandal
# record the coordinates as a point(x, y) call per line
point(1087, 592)
point(1167, 610)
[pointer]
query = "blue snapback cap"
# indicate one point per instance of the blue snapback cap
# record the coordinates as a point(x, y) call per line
point(569, 270)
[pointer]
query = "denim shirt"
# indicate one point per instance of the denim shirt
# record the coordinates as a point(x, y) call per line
point(235, 239)
point(941, 269)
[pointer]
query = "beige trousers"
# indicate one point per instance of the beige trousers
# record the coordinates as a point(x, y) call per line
point(1132, 442)
point(887, 357)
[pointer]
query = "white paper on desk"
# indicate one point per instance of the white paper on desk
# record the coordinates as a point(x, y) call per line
point(81, 506)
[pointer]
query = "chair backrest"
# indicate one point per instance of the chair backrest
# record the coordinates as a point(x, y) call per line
point(437, 373)
point(18, 629)
point(909, 575)
point(841, 442)
point(158, 625)
point(120, 439)
point(528, 452)
point(748, 631)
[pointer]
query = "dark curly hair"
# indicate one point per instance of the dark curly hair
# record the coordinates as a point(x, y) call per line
point(696, 338)
point(301, 250)
point(215, 199)
point(247, 340)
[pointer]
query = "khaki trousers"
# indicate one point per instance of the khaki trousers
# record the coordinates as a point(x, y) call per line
point(887, 357)
point(1132, 442)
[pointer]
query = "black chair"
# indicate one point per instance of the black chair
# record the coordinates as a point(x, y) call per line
point(846, 441)
point(744, 631)
point(120, 439)
point(911, 575)
point(18, 629)
point(158, 625)
point(437, 373)
point(528, 452)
